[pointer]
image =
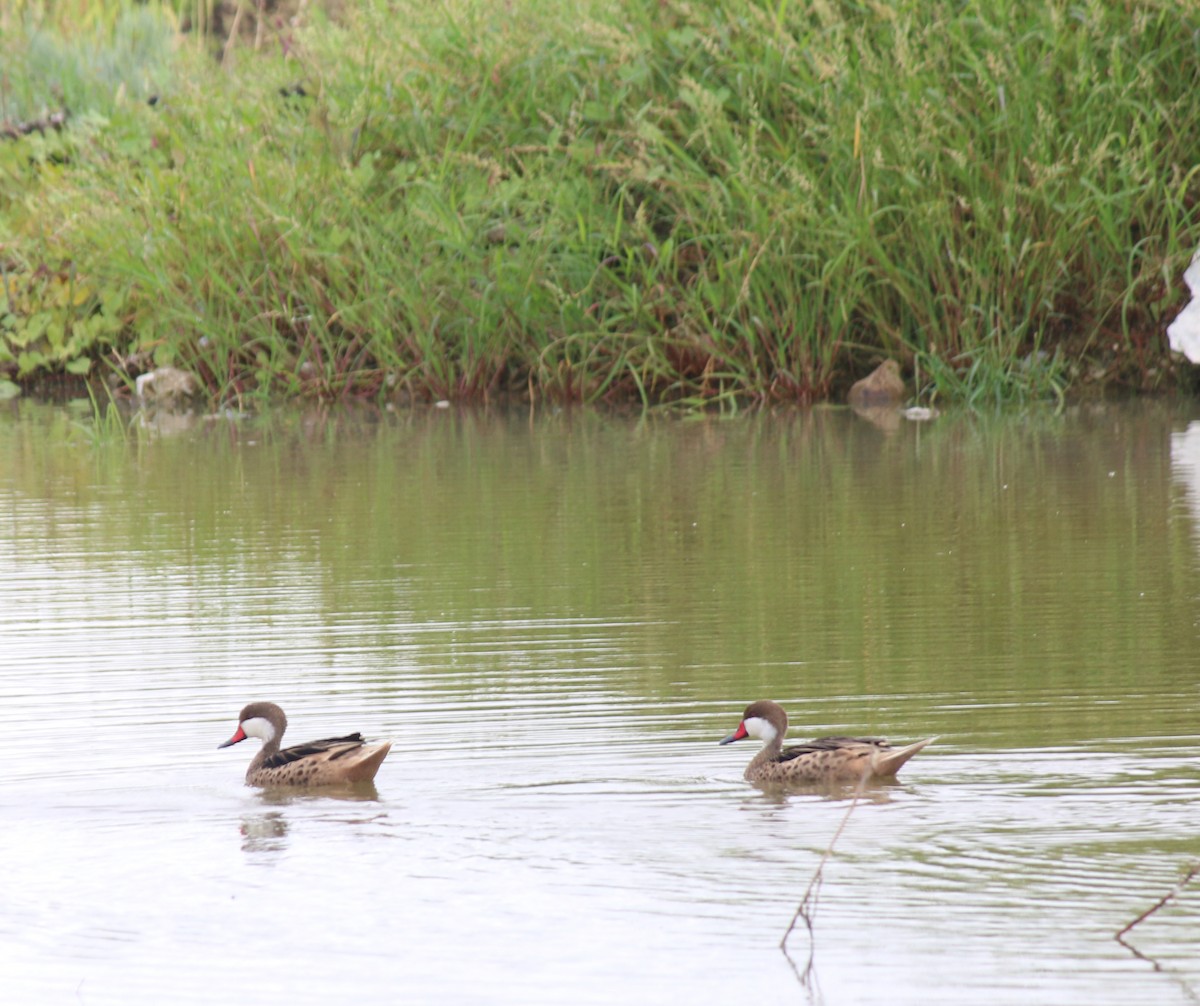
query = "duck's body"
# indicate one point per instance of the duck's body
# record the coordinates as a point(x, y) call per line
point(829, 759)
point(328, 762)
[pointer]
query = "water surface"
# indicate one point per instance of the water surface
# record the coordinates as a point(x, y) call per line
point(554, 619)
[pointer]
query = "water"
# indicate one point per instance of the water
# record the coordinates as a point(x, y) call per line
point(554, 619)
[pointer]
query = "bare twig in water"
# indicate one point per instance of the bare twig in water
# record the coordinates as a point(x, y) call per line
point(814, 885)
point(1193, 870)
point(1184, 985)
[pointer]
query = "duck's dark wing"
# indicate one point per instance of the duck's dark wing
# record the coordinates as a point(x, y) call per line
point(833, 744)
point(330, 746)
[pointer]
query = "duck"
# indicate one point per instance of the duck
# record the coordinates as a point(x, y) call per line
point(329, 762)
point(828, 759)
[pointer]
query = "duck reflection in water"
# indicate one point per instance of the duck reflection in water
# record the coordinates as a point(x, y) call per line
point(264, 832)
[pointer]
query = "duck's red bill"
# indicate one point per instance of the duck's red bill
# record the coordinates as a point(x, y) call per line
point(240, 735)
point(737, 735)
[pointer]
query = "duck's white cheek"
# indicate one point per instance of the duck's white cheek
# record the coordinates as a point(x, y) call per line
point(258, 727)
point(756, 727)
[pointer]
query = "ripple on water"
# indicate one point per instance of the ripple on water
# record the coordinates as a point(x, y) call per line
point(556, 821)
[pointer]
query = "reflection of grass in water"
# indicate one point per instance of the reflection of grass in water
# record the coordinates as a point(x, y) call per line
point(1017, 549)
point(694, 203)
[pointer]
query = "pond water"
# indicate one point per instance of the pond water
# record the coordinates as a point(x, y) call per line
point(554, 619)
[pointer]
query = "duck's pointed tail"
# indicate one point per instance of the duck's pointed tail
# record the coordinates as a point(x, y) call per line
point(887, 763)
point(367, 764)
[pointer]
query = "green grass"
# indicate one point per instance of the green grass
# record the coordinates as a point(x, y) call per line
point(684, 203)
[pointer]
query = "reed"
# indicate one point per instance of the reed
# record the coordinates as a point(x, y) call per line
point(694, 204)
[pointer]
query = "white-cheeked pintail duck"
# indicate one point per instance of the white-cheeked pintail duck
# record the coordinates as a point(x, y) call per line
point(829, 759)
point(328, 762)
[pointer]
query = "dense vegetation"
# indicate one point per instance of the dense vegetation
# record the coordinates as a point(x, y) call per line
point(576, 199)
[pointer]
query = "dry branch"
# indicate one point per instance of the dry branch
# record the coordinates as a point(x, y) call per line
point(814, 884)
point(1165, 899)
